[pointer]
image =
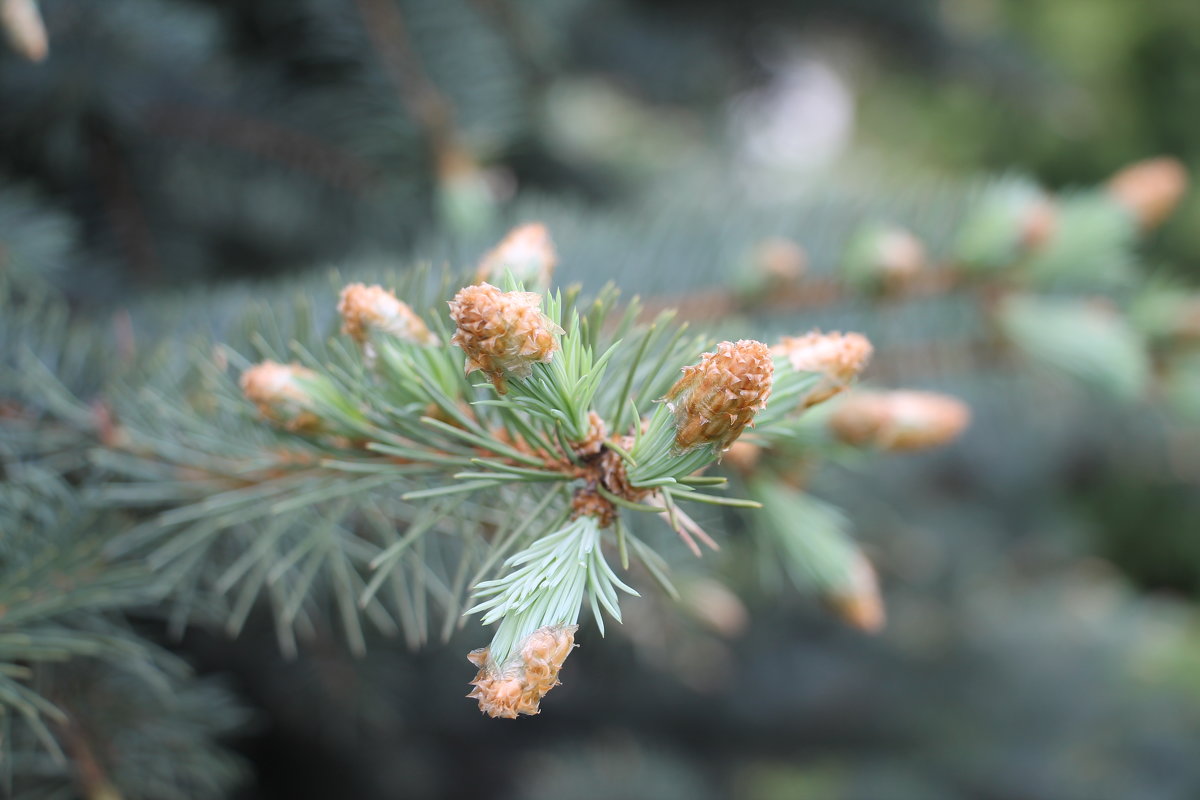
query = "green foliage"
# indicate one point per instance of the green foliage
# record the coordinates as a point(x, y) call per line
point(406, 497)
point(1091, 245)
point(1080, 338)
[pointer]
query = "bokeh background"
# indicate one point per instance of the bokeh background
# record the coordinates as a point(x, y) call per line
point(1041, 573)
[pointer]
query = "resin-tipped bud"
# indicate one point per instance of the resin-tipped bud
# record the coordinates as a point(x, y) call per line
point(899, 420)
point(527, 252)
point(518, 686)
point(502, 333)
point(372, 308)
point(717, 398)
point(837, 357)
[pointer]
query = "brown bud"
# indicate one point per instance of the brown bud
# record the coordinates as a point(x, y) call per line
point(502, 332)
point(839, 357)
point(717, 398)
point(859, 603)
point(614, 475)
point(368, 308)
point(506, 690)
point(526, 252)
point(1150, 189)
point(277, 391)
point(596, 435)
point(900, 420)
point(587, 502)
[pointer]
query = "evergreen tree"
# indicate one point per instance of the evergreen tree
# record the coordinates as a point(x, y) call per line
point(283, 479)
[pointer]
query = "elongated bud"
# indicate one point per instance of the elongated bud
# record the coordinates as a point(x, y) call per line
point(280, 394)
point(900, 420)
point(717, 398)
point(373, 308)
point(859, 603)
point(518, 686)
point(715, 606)
point(22, 22)
point(1150, 189)
point(837, 357)
point(502, 332)
point(526, 252)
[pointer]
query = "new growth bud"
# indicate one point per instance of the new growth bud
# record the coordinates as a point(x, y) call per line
point(1150, 189)
point(526, 252)
point(502, 332)
point(518, 686)
point(837, 357)
point(859, 603)
point(885, 258)
point(900, 420)
point(22, 22)
point(780, 261)
point(717, 398)
point(280, 394)
point(372, 308)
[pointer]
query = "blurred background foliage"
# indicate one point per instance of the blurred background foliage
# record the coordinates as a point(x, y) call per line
point(173, 161)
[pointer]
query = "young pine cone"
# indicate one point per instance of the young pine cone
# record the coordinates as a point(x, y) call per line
point(519, 686)
point(899, 420)
point(526, 252)
point(373, 308)
point(717, 398)
point(278, 391)
point(838, 357)
point(502, 332)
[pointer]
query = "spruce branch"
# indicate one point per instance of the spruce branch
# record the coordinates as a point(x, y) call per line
point(368, 478)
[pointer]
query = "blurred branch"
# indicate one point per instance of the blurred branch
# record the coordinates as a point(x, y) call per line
point(126, 216)
point(263, 139)
point(389, 36)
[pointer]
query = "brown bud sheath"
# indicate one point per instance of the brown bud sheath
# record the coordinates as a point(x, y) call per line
point(276, 390)
point(526, 252)
point(900, 420)
point(839, 357)
point(717, 398)
point(519, 686)
point(366, 308)
point(1150, 189)
point(502, 332)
